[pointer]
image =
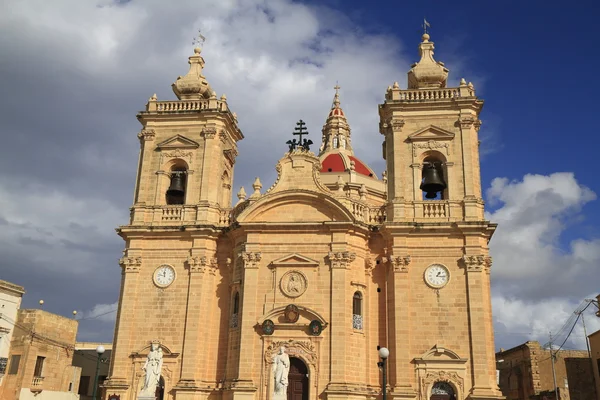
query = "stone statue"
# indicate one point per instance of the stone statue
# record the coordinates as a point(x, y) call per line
point(152, 367)
point(281, 369)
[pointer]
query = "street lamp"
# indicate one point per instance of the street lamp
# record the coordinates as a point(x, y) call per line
point(99, 351)
point(384, 353)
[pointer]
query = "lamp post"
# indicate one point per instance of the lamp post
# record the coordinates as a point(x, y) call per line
point(99, 351)
point(384, 353)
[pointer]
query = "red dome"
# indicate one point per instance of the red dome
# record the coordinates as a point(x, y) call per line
point(335, 163)
point(336, 112)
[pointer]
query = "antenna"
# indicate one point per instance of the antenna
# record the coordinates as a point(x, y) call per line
point(199, 40)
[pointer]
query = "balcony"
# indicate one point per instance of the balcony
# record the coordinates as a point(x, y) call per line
point(36, 384)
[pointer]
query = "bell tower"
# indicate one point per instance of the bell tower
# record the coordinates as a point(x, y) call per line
point(440, 330)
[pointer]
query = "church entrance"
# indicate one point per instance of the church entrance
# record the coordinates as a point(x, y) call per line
point(442, 391)
point(297, 380)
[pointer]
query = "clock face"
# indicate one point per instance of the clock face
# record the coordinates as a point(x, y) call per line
point(437, 276)
point(164, 276)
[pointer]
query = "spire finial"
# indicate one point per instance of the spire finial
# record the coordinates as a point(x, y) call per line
point(336, 97)
point(426, 25)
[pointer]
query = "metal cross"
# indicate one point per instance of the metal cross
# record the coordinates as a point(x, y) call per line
point(300, 130)
point(337, 88)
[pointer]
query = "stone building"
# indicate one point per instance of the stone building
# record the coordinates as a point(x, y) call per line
point(10, 302)
point(594, 340)
point(331, 262)
point(526, 373)
point(40, 360)
point(86, 358)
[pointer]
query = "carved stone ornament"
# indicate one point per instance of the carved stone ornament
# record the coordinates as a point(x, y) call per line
point(477, 263)
point(442, 376)
point(468, 121)
point(295, 348)
point(268, 327)
point(397, 125)
point(315, 327)
point(341, 259)
point(209, 132)
point(430, 145)
point(203, 264)
point(147, 135)
point(251, 259)
point(131, 264)
point(291, 313)
point(293, 284)
point(178, 153)
point(400, 263)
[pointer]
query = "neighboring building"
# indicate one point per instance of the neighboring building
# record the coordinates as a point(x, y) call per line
point(41, 357)
point(330, 262)
point(10, 302)
point(526, 373)
point(594, 339)
point(86, 358)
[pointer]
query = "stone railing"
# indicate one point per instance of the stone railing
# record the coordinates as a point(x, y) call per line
point(368, 215)
point(426, 94)
point(225, 217)
point(173, 213)
point(440, 210)
point(189, 105)
point(37, 381)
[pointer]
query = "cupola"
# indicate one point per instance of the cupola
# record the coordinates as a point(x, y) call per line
point(427, 73)
point(194, 84)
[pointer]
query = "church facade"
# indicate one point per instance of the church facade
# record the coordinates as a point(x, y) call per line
point(323, 268)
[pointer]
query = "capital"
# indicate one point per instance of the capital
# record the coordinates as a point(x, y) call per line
point(202, 264)
point(209, 132)
point(341, 259)
point(477, 263)
point(130, 264)
point(400, 263)
point(251, 259)
point(147, 135)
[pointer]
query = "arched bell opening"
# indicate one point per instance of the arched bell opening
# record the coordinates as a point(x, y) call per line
point(442, 390)
point(434, 177)
point(177, 188)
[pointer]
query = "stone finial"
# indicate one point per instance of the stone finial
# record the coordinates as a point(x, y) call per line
point(463, 82)
point(241, 194)
point(384, 176)
point(427, 73)
point(340, 184)
point(396, 86)
point(352, 165)
point(193, 85)
point(256, 186)
point(223, 97)
point(153, 97)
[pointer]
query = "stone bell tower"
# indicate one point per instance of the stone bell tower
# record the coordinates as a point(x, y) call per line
point(440, 332)
point(171, 264)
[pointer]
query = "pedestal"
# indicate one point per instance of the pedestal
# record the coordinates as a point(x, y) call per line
point(280, 396)
point(140, 397)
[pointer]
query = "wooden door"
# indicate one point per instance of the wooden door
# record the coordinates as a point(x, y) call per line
point(297, 380)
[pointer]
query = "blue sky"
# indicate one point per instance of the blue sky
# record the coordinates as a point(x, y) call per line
point(78, 72)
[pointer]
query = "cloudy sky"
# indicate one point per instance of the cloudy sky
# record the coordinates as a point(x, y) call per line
point(74, 73)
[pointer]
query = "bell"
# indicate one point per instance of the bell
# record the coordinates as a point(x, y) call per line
point(177, 188)
point(432, 181)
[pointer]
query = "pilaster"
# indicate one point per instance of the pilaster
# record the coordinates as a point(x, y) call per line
point(482, 356)
point(400, 367)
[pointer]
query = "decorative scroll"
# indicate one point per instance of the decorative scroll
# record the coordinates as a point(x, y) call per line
point(451, 378)
point(178, 153)
point(304, 349)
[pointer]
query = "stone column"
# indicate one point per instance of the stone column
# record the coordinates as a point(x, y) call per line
point(340, 323)
point(118, 381)
point(482, 355)
point(400, 368)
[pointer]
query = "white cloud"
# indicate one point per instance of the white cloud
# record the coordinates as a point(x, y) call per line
point(537, 283)
point(100, 312)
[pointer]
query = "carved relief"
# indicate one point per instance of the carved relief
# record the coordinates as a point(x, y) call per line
point(203, 264)
point(341, 259)
point(178, 153)
point(293, 284)
point(431, 145)
point(442, 376)
point(304, 349)
point(131, 264)
point(400, 263)
point(477, 263)
point(251, 259)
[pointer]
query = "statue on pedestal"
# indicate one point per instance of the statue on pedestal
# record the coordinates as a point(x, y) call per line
point(281, 369)
point(152, 367)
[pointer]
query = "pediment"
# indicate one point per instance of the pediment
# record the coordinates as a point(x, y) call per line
point(177, 142)
point(430, 132)
point(295, 260)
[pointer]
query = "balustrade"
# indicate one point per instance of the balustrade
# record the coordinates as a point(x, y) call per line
point(190, 105)
point(37, 381)
point(426, 94)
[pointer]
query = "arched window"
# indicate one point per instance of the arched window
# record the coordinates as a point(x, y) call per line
point(433, 181)
point(342, 142)
point(235, 310)
point(176, 192)
point(335, 142)
point(357, 317)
